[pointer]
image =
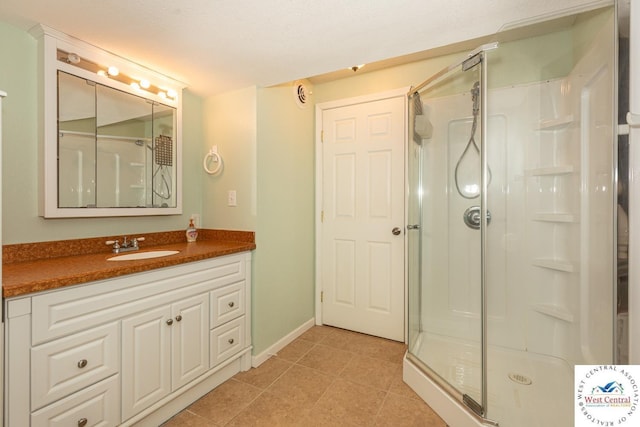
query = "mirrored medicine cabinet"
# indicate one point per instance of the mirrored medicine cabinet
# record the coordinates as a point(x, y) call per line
point(111, 143)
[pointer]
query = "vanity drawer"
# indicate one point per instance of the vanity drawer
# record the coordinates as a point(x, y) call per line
point(98, 405)
point(227, 303)
point(226, 340)
point(62, 367)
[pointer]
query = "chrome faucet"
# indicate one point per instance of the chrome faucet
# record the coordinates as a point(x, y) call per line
point(126, 246)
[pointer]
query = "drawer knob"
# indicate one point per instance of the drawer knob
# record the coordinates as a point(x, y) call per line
point(231, 304)
point(169, 322)
point(82, 422)
point(178, 317)
point(81, 364)
point(231, 341)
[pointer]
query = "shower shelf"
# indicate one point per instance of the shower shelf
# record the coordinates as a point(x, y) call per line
point(136, 186)
point(554, 311)
point(554, 217)
point(553, 264)
point(136, 164)
point(551, 171)
point(556, 123)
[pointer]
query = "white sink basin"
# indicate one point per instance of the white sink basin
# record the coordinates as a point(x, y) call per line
point(141, 255)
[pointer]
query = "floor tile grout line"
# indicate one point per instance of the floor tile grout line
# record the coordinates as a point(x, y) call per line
point(262, 391)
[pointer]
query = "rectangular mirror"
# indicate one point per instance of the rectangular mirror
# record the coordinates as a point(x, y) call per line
point(111, 140)
point(115, 149)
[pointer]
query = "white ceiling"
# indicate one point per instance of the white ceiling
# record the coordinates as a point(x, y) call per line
point(219, 45)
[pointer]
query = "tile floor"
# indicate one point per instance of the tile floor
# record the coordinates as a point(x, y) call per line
point(326, 377)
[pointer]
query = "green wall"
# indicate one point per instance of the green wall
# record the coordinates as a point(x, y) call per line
point(284, 282)
point(230, 124)
point(267, 145)
point(20, 220)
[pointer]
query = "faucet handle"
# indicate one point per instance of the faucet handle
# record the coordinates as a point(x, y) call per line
point(135, 241)
point(115, 243)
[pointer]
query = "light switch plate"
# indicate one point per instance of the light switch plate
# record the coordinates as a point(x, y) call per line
point(231, 198)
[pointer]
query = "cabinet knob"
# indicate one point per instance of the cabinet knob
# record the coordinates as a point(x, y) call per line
point(169, 322)
point(81, 364)
point(231, 304)
point(178, 317)
point(231, 341)
point(82, 422)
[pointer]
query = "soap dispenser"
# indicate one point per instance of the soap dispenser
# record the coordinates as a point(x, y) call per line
point(192, 232)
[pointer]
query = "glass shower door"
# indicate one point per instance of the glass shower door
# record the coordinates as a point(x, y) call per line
point(445, 230)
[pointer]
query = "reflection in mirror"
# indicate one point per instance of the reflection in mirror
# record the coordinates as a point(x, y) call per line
point(76, 146)
point(116, 149)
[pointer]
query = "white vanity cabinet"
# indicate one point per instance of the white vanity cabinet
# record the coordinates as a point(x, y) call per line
point(133, 349)
point(162, 350)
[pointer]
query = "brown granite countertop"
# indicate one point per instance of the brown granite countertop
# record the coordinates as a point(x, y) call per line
point(35, 267)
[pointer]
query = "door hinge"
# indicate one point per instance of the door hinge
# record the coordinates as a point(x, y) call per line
point(322, 136)
point(321, 296)
point(321, 216)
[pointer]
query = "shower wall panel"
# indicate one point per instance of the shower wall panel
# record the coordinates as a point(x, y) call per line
point(452, 249)
point(76, 183)
point(549, 240)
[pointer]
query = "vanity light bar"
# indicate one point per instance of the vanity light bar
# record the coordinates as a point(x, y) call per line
point(115, 74)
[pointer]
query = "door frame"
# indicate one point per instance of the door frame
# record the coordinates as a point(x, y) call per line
point(320, 108)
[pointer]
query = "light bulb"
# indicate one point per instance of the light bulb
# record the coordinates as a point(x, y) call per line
point(135, 85)
point(172, 93)
point(113, 71)
point(145, 84)
point(102, 73)
point(162, 94)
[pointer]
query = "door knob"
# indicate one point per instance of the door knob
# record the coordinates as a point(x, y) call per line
point(169, 322)
point(396, 231)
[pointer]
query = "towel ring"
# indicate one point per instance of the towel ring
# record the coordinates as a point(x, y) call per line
point(215, 157)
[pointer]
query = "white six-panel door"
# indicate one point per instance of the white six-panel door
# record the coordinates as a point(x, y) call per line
point(362, 221)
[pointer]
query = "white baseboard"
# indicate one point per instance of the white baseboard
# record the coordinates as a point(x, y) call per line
point(259, 359)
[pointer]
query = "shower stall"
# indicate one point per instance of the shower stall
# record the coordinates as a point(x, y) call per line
point(511, 224)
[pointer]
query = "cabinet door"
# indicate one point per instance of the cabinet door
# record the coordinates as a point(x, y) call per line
point(146, 349)
point(190, 336)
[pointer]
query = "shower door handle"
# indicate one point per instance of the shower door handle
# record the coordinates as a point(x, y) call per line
point(413, 227)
